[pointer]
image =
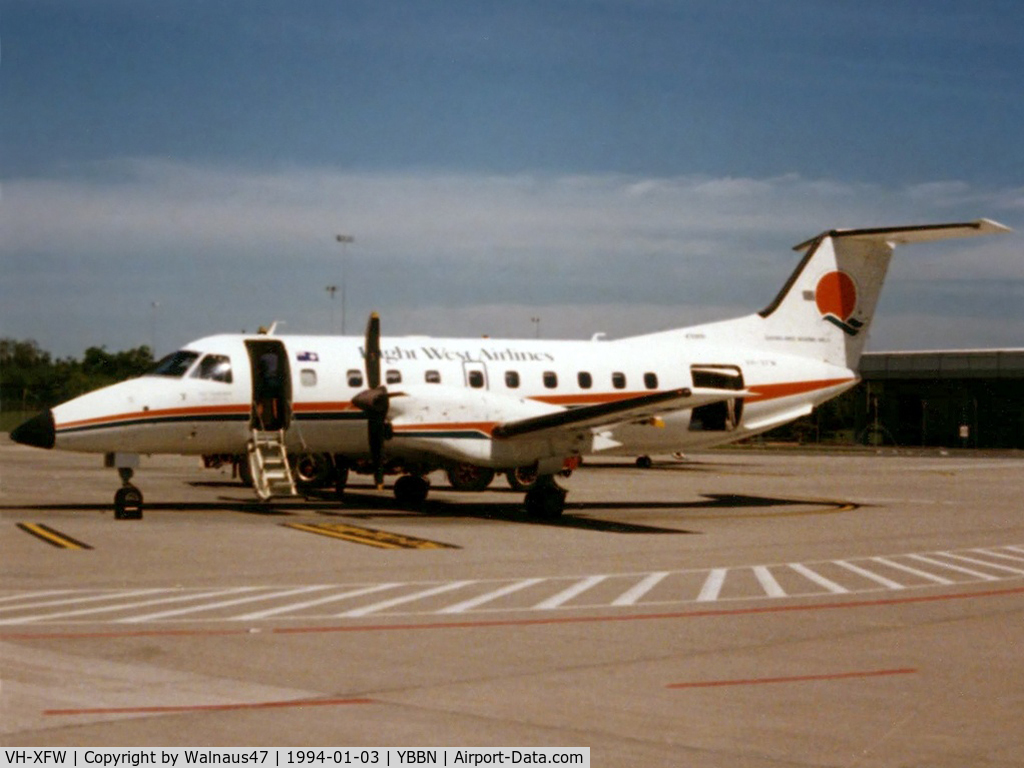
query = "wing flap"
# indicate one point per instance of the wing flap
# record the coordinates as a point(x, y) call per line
point(617, 412)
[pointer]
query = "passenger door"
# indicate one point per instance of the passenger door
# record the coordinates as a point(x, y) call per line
point(271, 384)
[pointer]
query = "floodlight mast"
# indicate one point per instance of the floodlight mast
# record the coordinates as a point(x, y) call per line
point(345, 240)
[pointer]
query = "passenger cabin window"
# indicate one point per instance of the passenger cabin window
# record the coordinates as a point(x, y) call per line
point(307, 377)
point(393, 376)
point(476, 379)
point(651, 380)
point(355, 378)
point(214, 368)
point(619, 380)
point(550, 379)
point(175, 365)
point(512, 379)
point(585, 380)
point(432, 377)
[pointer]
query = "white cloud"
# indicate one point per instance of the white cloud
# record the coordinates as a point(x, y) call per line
point(223, 248)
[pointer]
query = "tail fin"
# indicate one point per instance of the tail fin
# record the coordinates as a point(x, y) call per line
point(825, 308)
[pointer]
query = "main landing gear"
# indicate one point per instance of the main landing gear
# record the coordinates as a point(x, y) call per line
point(546, 499)
point(411, 490)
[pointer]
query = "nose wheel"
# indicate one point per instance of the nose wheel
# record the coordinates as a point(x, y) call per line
point(128, 499)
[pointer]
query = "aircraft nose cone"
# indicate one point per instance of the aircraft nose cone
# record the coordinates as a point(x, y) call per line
point(39, 431)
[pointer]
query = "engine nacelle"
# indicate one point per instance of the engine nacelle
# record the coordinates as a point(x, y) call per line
point(457, 423)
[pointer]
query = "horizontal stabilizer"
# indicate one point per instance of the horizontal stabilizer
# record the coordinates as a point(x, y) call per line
point(608, 414)
point(921, 233)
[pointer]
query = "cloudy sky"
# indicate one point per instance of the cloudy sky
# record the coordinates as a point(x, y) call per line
point(175, 168)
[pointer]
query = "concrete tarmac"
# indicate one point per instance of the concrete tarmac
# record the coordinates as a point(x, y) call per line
point(740, 608)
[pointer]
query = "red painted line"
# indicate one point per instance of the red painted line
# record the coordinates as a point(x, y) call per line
point(796, 679)
point(484, 624)
point(340, 406)
point(775, 391)
point(208, 707)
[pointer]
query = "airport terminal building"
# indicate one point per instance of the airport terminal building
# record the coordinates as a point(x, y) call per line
point(957, 399)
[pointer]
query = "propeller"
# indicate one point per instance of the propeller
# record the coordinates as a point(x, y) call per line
point(375, 401)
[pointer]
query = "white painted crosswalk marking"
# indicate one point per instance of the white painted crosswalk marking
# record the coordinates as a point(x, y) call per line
point(712, 585)
point(641, 588)
point(220, 604)
point(476, 602)
point(818, 579)
point(957, 568)
point(568, 594)
point(293, 607)
point(178, 598)
point(921, 570)
point(80, 599)
point(1002, 555)
point(877, 578)
point(914, 571)
point(771, 587)
point(32, 596)
point(997, 566)
point(385, 604)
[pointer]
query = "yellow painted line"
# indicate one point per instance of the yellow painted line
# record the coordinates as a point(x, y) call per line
point(369, 536)
point(50, 536)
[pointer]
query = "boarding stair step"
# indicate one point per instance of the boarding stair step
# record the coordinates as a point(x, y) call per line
point(268, 458)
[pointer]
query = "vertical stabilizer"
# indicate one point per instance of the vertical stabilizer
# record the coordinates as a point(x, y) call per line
point(828, 304)
point(824, 310)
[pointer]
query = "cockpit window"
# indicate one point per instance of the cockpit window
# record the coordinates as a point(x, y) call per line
point(214, 368)
point(175, 365)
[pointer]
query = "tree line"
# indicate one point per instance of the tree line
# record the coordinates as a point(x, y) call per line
point(31, 379)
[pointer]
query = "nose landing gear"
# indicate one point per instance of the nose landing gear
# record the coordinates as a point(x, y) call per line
point(128, 499)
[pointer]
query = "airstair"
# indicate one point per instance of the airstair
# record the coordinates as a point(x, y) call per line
point(268, 460)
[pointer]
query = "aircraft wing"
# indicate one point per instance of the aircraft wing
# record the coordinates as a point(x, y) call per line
point(618, 412)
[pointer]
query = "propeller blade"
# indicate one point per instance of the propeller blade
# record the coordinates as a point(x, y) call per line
point(375, 430)
point(374, 401)
point(373, 351)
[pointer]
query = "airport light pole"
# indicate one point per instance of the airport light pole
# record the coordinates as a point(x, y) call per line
point(344, 240)
point(331, 289)
point(154, 305)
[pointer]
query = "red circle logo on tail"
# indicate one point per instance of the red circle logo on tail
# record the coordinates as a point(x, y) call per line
point(836, 295)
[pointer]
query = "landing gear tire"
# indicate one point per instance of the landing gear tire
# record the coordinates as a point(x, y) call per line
point(467, 477)
point(244, 470)
point(128, 503)
point(546, 500)
point(644, 462)
point(340, 480)
point(411, 490)
point(312, 470)
point(522, 478)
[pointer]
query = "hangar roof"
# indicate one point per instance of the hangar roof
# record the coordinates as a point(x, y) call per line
point(944, 364)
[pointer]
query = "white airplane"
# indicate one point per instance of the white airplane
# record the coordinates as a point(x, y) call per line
point(411, 405)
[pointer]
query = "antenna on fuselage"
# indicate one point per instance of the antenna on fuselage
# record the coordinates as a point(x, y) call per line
point(264, 331)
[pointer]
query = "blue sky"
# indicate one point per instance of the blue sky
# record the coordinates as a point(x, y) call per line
point(605, 166)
